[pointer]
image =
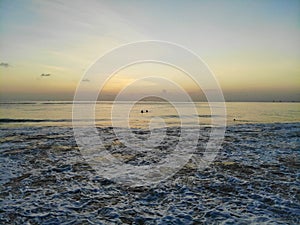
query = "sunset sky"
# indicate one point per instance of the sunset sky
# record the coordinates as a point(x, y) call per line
point(252, 47)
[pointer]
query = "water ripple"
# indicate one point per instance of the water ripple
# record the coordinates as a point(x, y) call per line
point(254, 179)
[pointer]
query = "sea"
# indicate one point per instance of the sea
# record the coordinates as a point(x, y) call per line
point(254, 177)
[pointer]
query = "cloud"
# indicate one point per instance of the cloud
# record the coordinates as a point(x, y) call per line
point(4, 64)
point(45, 75)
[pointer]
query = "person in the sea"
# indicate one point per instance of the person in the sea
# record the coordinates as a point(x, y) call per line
point(142, 111)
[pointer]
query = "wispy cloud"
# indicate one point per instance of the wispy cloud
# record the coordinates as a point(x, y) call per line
point(45, 75)
point(4, 64)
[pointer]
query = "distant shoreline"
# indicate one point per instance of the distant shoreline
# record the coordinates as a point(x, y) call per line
point(99, 101)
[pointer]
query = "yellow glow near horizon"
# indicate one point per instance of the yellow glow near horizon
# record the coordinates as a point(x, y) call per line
point(143, 70)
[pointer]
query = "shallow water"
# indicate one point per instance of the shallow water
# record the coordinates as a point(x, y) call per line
point(254, 179)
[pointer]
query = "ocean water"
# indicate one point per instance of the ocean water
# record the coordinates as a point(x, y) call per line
point(254, 178)
point(59, 113)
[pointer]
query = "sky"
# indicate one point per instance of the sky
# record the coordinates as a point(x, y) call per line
point(252, 47)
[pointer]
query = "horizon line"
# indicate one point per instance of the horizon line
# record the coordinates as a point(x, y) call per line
point(238, 101)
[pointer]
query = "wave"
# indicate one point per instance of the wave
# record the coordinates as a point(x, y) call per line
point(8, 120)
point(190, 116)
point(18, 103)
point(44, 103)
point(208, 116)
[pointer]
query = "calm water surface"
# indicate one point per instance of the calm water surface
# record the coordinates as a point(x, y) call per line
point(60, 113)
